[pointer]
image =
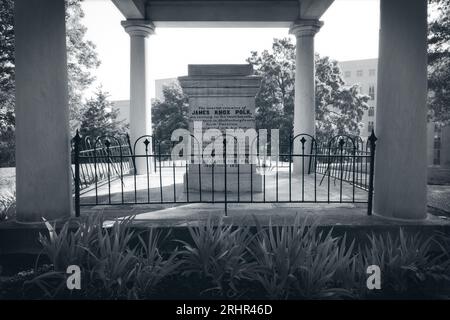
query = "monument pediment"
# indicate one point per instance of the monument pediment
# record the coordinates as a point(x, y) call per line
point(220, 80)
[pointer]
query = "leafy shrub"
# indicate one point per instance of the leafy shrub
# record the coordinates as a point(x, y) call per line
point(225, 261)
point(299, 261)
point(409, 263)
point(111, 261)
point(153, 267)
point(111, 266)
point(219, 255)
point(73, 243)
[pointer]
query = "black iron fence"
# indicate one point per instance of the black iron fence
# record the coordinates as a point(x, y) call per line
point(100, 159)
point(112, 171)
point(346, 159)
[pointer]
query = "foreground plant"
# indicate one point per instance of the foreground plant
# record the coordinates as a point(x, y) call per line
point(112, 265)
point(219, 254)
point(299, 261)
point(153, 267)
point(112, 261)
point(411, 264)
point(73, 243)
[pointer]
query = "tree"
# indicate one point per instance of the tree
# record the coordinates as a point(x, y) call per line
point(439, 62)
point(169, 114)
point(6, 65)
point(275, 101)
point(99, 118)
point(81, 59)
point(339, 108)
point(7, 119)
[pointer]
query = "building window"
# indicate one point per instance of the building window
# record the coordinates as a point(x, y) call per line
point(372, 72)
point(359, 73)
point(347, 74)
point(370, 126)
point(371, 111)
point(372, 92)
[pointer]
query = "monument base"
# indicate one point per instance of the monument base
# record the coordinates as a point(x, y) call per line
point(243, 183)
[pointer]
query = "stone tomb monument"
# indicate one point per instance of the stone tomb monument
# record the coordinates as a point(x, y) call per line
point(222, 97)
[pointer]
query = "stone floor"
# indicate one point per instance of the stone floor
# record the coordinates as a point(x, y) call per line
point(169, 188)
point(352, 215)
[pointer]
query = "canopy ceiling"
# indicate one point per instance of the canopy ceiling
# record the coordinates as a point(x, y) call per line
point(222, 13)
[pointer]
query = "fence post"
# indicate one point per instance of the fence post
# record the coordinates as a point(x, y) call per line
point(225, 173)
point(290, 166)
point(131, 153)
point(76, 148)
point(372, 142)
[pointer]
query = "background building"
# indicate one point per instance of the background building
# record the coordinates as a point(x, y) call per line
point(124, 105)
point(364, 74)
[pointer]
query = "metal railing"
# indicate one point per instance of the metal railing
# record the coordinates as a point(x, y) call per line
point(99, 159)
point(338, 171)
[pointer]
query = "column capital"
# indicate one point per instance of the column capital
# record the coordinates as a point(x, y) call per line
point(305, 28)
point(138, 27)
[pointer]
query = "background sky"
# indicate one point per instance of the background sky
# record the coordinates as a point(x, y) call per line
point(350, 32)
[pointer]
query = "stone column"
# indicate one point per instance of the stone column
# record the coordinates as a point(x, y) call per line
point(140, 103)
point(304, 105)
point(43, 178)
point(401, 156)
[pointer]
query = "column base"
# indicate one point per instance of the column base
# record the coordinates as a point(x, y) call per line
point(400, 219)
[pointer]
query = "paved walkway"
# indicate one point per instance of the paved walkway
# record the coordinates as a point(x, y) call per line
point(351, 215)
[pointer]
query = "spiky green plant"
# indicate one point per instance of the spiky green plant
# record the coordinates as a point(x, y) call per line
point(299, 261)
point(350, 275)
point(112, 262)
point(69, 246)
point(219, 255)
point(410, 263)
point(72, 243)
point(113, 266)
point(153, 267)
point(107, 263)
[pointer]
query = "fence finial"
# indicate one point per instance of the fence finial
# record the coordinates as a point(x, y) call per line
point(372, 138)
point(77, 137)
